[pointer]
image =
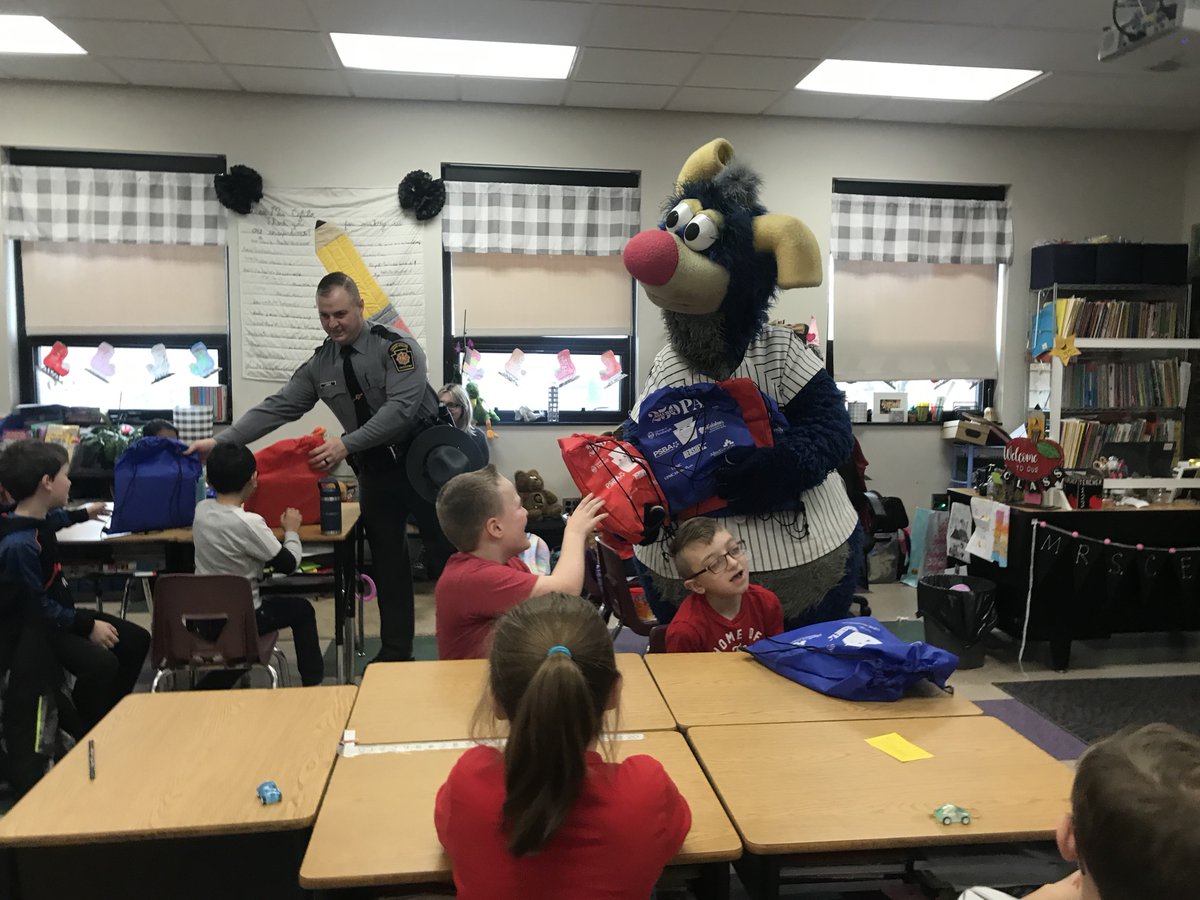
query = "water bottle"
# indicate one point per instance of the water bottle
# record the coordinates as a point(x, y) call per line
point(331, 506)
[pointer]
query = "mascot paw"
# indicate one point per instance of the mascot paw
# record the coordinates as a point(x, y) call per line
point(757, 479)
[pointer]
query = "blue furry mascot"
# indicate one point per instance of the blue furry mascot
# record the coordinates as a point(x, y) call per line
point(713, 266)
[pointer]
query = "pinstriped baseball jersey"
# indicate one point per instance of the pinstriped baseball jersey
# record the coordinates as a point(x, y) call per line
point(780, 364)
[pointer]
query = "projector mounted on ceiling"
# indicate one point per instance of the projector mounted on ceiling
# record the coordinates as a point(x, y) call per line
point(1156, 35)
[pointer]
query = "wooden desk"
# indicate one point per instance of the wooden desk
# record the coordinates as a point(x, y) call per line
point(818, 787)
point(435, 700)
point(376, 824)
point(175, 782)
point(177, 545)
point(734, 689)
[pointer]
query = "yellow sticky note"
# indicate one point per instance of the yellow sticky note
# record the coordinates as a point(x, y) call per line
point(899, 748)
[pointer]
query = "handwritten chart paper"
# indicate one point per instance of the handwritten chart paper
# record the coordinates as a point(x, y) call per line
point(278, 269)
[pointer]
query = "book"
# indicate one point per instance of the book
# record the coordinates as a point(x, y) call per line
point(66, 435)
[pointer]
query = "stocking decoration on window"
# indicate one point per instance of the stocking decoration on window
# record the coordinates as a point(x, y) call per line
point(160, 368)
point(204, 365)
point(54, 363)
point(611, 373)
point(565, 373)
point(473, 366)
point(513, 369)
point(102, 365)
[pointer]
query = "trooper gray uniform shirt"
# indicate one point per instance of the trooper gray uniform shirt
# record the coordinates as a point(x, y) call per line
point(391, 370)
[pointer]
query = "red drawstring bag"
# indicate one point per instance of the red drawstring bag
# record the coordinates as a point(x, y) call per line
point(286, 479)
point(617, 473)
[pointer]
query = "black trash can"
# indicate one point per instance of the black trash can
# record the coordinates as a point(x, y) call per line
point(955, 619)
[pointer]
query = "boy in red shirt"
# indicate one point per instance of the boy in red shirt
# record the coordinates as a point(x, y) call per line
point(724, 611)
point(481, 514)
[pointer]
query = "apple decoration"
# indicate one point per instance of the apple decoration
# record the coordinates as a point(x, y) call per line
point(1033, 465)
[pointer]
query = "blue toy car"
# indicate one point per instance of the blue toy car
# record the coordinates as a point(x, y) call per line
point(268, 793)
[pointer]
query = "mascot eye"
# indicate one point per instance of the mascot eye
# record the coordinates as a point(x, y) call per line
point(701, 233)
point(679, 216)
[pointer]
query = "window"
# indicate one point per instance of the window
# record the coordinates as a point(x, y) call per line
point(92, 307)
point(537, 297)
point(917, 280)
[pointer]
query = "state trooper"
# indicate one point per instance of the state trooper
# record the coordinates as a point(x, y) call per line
point(374, 381)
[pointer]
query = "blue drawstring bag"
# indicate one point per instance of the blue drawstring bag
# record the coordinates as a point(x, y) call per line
point(855, 659)
point(684, 433)
point(154, 486)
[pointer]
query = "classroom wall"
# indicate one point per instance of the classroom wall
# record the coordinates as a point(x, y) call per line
point(1065, 183)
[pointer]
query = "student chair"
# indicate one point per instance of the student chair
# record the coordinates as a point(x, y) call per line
point(618, 601)
point(206, 623)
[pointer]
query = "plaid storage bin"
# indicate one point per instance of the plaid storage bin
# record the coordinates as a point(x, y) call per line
point(193, 422)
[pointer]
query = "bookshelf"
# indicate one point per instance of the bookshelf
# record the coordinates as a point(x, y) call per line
point(1134, 373)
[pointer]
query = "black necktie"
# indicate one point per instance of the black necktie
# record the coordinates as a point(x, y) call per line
point(362, 412)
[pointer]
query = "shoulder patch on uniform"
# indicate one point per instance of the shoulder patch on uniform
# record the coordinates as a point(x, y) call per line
point(401, 356)
point(384, 332)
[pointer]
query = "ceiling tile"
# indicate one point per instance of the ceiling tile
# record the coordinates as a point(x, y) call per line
point(924, 111)
point(1139, 90)
point(681, 4)
point(651, 28)
point(1077, 15)
point(135, 40)
point(696, 99)
point(1026, 115)
point(267, 47)
point(1048, 50)
point(795, 36)
point(620, 96)
point(843, 9)
point(173, 74)
point(395, 86)
point(257, 14)
point(907, 42)
point(821, 106)
point(270, 80)
point(512, 90)
point(765, 73)
point(58, 68)
point(633, 66)
point(1073, 115)
point(130, 10)
point(965, 12)
point(533, 21)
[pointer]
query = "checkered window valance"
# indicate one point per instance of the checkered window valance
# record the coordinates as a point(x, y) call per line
point(539, 219)
point(53, 203)
point(921, 229)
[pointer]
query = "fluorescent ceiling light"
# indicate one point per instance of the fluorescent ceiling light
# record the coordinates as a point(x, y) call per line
point(440, 56)
point(884, 79)
point(34, 34)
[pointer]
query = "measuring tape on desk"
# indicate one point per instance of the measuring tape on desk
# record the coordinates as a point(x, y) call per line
point(349, 746)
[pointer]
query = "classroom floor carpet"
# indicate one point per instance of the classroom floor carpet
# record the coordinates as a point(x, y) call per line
point(1094, 708)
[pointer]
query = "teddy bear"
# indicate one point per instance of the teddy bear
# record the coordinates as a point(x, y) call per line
point(541, 503)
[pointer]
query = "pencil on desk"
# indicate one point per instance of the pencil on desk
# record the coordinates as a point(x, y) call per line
point(91, 760)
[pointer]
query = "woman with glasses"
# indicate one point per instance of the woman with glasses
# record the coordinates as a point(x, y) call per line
point(454, 398)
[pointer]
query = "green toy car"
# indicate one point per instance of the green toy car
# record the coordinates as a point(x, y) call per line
point(948, 814)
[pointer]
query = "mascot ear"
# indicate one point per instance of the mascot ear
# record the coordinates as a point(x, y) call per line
point(705, 163)
point(797, 256)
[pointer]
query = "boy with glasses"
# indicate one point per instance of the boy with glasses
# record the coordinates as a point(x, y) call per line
point(724, 611)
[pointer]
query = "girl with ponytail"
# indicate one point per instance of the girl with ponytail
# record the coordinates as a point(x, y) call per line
point(547, 816)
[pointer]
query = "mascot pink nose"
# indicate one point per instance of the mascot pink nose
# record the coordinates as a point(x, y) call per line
point(652, 257)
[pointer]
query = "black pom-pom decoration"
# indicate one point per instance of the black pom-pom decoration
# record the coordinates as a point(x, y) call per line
point(239, 189)
point(421, 193)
